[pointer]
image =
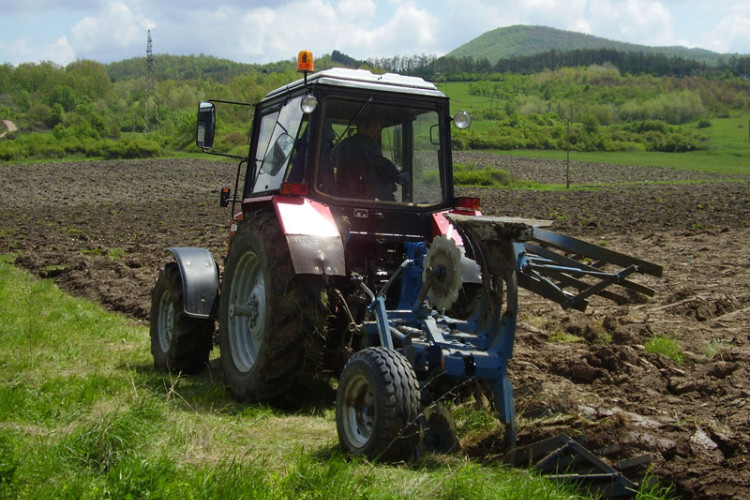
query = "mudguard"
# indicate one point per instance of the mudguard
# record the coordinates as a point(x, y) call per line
point(312, 235)
point(200, 280)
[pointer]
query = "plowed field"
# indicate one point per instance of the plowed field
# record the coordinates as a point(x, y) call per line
point(99, 229)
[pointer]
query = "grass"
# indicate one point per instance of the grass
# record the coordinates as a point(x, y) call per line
point(700, 161)
point(84, 415)
point(729, 154)
point(729, 139)
point(667, 346)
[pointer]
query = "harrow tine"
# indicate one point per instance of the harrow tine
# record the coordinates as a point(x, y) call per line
point(570, 244)
point(567, 261)
point(564, 458)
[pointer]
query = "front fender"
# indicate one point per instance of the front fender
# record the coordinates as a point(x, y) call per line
point(200, 280)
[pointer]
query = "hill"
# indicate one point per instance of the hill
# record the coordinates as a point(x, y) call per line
point(521, 40)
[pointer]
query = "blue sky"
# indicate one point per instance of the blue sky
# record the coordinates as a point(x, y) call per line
point(260, 31)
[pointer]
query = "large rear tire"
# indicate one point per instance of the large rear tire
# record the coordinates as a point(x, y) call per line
point(377, 405)
point(179, 343)
point(266, 315)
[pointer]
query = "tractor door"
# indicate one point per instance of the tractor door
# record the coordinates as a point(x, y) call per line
point(277, 141)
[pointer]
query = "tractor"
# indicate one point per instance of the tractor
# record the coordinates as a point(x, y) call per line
point(351, 257)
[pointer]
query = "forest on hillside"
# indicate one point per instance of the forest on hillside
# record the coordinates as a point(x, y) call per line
point(88, 109)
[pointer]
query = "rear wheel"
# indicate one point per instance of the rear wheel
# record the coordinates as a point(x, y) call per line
point(377, 405)
point(266, 314)
point(179, 343)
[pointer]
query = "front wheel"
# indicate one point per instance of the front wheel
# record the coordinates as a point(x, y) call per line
point(377, 405)
point(179, 343)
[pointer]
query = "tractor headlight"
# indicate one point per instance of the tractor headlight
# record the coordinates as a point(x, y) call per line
point(462, 119)
point(308, 104)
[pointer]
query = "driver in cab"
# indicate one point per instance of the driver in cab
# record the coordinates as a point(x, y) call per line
point(361, 169)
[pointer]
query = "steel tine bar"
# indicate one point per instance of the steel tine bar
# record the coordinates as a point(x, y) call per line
point(562, 259)
point(595, 289)
point(575, 245)
point(549, 461)
point(574, 476)
point(549, 290)
point(572, 270)
point(566, 280)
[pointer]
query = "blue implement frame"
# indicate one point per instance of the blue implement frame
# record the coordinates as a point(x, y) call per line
point(510, 253)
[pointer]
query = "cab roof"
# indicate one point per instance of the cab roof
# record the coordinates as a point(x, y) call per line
point(364, 79)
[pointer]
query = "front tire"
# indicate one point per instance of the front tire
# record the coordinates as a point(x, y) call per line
point(179, 343)
point(377, 405)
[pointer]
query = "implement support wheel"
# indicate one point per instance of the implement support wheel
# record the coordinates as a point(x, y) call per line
point(377, 405)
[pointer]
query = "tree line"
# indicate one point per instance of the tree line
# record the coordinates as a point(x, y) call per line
point(635, 63)
point(92, 109)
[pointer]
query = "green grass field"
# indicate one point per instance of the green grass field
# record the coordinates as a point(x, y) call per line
point(84, 415)
point(728, 153)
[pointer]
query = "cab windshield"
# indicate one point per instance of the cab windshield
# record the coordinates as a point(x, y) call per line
point(380, 152)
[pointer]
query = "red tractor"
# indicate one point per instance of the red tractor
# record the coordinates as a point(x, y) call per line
point(350, 255)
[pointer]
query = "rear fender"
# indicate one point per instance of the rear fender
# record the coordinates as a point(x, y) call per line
point(313, 238)
point(200, 280)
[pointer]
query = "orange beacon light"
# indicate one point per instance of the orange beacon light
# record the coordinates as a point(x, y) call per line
point(305, 62)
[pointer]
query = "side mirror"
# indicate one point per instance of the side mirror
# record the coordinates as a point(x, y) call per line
point(204, 132)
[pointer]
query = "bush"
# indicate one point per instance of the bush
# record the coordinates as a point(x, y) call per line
point(130, 148)
point(473, 175)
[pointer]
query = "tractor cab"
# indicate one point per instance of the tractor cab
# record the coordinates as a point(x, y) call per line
point(365, 145)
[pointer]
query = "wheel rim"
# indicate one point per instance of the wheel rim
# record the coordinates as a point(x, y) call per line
point(358, 411)
point(247, 311)
point(166, 320)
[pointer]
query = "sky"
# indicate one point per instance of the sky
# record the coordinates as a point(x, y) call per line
point(260, 31)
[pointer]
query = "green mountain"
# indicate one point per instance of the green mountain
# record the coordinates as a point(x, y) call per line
point(521, 40)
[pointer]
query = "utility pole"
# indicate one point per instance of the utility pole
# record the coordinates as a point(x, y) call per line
point(152, 113)
point(567, 134)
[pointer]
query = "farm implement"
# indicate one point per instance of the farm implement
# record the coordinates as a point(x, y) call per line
point(350, 255)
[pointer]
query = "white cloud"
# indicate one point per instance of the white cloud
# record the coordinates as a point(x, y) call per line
point(60, 51)
point(644, 22)
point(318, 25)
point(409, 31)
point(731, 35)
point(353, 9)
point(109, 31)
point(271, 30)
point(568, 15)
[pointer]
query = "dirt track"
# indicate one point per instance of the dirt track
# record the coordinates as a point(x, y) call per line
point(99, 230)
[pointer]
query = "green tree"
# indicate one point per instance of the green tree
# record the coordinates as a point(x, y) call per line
point(56, 115)
point(64, 95)
point(89, 78)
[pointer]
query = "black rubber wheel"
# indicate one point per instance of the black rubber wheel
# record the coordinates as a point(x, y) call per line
point(179, 343)
point(267, 314)
point(377, 405)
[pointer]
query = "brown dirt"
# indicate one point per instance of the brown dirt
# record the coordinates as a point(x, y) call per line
point(99, 230)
